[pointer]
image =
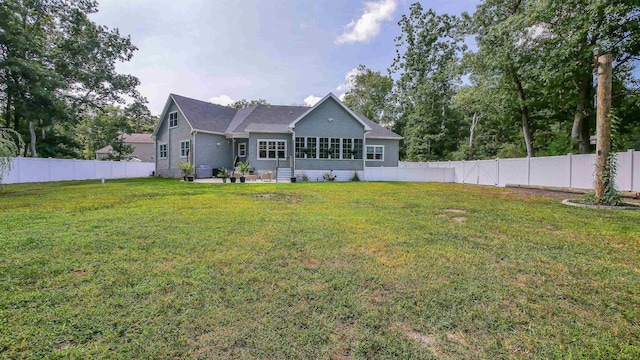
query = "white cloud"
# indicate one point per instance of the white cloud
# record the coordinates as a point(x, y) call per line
point(341, 97)
point(224, 100)
point(311, 100)
point(368, 25)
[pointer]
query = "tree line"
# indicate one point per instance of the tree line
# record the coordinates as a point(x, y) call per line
point(59, 88)
point(515, 78)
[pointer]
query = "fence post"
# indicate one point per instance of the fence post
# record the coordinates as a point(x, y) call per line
point(631, 153)
point(477, 172)
point(16, 167)
point(570, 156)
point(528, 170)
point(497, 171)
point(110, 169)
point(463, 171)
point(49, 171)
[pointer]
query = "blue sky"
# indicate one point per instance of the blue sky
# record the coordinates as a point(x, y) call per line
point(278, 50)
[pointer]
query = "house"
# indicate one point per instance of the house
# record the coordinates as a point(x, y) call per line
point(285, 140)
point(143, 147)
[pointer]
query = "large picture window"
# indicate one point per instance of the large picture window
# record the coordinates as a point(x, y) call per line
point(357, 148)
point(375, 152)
point(335, 148)
point(328, 148)
point(324, 148)
point(173, 119)
point(272, 149)
point(162, 151)
point(184, 148)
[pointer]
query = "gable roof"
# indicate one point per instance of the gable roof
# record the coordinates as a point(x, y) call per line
point(331, 96)
point(207, 117)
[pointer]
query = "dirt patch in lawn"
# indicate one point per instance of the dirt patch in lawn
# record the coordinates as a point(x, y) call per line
point(459, 219)
point(556, 195)
point(456, 211)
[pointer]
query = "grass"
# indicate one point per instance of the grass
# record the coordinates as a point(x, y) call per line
point(155, 268)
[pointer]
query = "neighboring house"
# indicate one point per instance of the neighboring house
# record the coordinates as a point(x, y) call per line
point(282, 139)
point(143, 147)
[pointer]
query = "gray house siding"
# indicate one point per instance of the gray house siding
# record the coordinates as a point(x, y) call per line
point(172, 137)
point(144, 151)
point(391, 150)
point(317, 122)
point(266, 165)
point(213, 150)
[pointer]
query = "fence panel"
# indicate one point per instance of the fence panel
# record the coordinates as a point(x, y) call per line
point(25, 170)
point(550, 171)
point(513, 171)
point(408, 174)
point(635, 172)
point(582, 171)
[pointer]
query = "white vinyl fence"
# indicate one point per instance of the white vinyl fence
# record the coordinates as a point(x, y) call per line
point(571, 171)
point(25, 170)
point(416, 174)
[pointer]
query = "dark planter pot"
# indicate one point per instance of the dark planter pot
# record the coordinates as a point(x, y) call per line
point(233, 179)
point(190, 178)
point(224, 180)
point(242, 179)
point(293, 179)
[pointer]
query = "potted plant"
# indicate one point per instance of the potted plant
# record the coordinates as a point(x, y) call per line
point(243, 167)
point(187, 170)
point(223, 173)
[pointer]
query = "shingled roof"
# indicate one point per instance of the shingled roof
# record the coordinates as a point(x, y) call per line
point(208, 117)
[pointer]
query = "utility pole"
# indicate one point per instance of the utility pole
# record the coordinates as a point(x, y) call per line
point(603, 122)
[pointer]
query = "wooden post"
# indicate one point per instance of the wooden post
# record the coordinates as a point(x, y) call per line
point(603, 122)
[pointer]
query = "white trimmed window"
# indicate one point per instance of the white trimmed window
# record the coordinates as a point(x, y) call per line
point(173, 119)
point(242, 150)
point(184, 148)
point(375, 152)
point(272, 149)
point(162, 151)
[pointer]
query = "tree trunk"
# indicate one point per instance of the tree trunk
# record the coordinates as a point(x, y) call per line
point(524, 113)
point(472, 132)
point(603, 123)
point(7, 112)
point(32, 143)
point(580, 129)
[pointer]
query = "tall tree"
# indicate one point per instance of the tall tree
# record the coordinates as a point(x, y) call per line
point(571, 38)
point(55, 63)
point(369, 93)
point(427, 63)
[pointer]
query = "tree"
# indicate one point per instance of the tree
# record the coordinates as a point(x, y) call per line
point(427, 62)
point(102, 128)
point(501, 28)
point(55, 64)
point(571, 38)
point(244, 103)
point(10, 143)
point(369, 93)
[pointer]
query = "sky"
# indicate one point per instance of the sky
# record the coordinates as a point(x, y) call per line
point(286, 52)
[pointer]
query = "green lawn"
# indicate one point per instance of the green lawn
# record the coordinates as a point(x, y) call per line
point(155, 268)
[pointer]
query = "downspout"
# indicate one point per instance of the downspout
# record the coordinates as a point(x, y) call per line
point(193, 150)
point(155, 156)
point(364, 152)
point(293, 157)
